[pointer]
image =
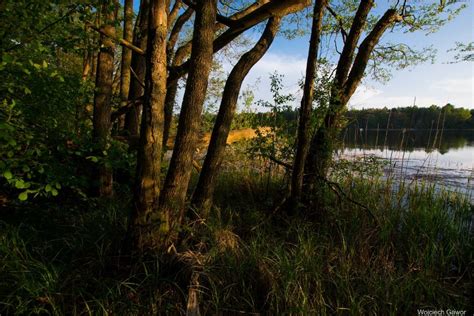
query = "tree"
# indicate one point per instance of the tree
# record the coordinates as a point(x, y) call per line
point(151, 134)
point(126, 53)
point(304, 133)
point(176, 183)
point(352, 65)
point(202, 198)
point(103, 95)
point(137, 71)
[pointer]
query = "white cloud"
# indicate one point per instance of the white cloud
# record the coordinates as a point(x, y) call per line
point(455, 85)
point(291, 67)
point(363, 94)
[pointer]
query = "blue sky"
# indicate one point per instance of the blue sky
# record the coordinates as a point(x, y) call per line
point(437, 83)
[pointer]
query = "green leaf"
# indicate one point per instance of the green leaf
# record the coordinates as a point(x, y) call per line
point(20, 184)
point(58, 186)
point(8, 175)
point(7, 58)
point(54, 192)
point(23, 196)
point(48, 188)
point(93, 158)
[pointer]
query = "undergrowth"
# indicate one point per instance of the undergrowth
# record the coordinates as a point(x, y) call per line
point(408, 249)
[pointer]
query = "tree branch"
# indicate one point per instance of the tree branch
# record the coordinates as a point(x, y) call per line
point(357, 27)
point(336, 16)
point(174, 13)
point(124, 109)
point(219, 18)
point(272, 8)
point(120, 41)
point(365, 50)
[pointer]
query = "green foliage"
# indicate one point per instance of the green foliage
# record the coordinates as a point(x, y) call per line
point(464, 52)
point(413, 117)
point(279, 137)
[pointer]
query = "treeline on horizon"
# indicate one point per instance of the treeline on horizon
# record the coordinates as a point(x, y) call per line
point(410, 117)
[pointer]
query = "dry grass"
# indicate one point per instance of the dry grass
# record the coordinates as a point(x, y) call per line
point(234, 136)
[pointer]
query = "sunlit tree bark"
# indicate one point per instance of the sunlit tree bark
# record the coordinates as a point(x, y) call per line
point(202, 198)
point(145, 230)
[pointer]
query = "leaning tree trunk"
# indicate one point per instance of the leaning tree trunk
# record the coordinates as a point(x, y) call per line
point(177, 179)
point(346, 82)
point(202, 198)
point(173, 60)
point(304, 133)
point(145, 228)
point(138, 65)
point(102, 99)
point(126, 55)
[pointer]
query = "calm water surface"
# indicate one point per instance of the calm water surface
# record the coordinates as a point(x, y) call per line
point(445, 158)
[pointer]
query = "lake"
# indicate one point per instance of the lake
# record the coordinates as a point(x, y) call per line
point(444, 158)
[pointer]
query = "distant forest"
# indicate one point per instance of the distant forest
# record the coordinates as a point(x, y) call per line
point(412, 117)
point(447, 117)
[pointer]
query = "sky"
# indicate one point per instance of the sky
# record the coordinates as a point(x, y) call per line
point(437, 83)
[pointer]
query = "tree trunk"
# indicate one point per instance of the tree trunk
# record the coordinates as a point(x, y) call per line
point(177, 179)
point(202, 198)
point(126, 53)
point(253, 16)
point(145, 219)
point(102, 98)
point(323, 142)
point(138, 64)
point(173, 61)
point(304, 135)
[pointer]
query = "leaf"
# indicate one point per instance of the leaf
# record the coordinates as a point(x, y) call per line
point(54, 192)
point(93, 158)
point(23, 196)
point(58, 186)
point(7, 58)
point(48, 188)
point(20, 184)
point(8, 175)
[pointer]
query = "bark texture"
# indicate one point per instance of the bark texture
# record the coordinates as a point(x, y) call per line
point(254, 15)
point(145, 219)
point(349, 73)
point(102, 98)
point(173, 60)
point(126, 53)
point(138, 65)
point(177, 179)
point(202, 198)
point(304, 133)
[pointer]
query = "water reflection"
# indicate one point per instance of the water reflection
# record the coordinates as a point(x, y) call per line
point(408, 140)
point(445, 158)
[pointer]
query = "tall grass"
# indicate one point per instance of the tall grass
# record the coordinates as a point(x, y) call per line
point(415, 251)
